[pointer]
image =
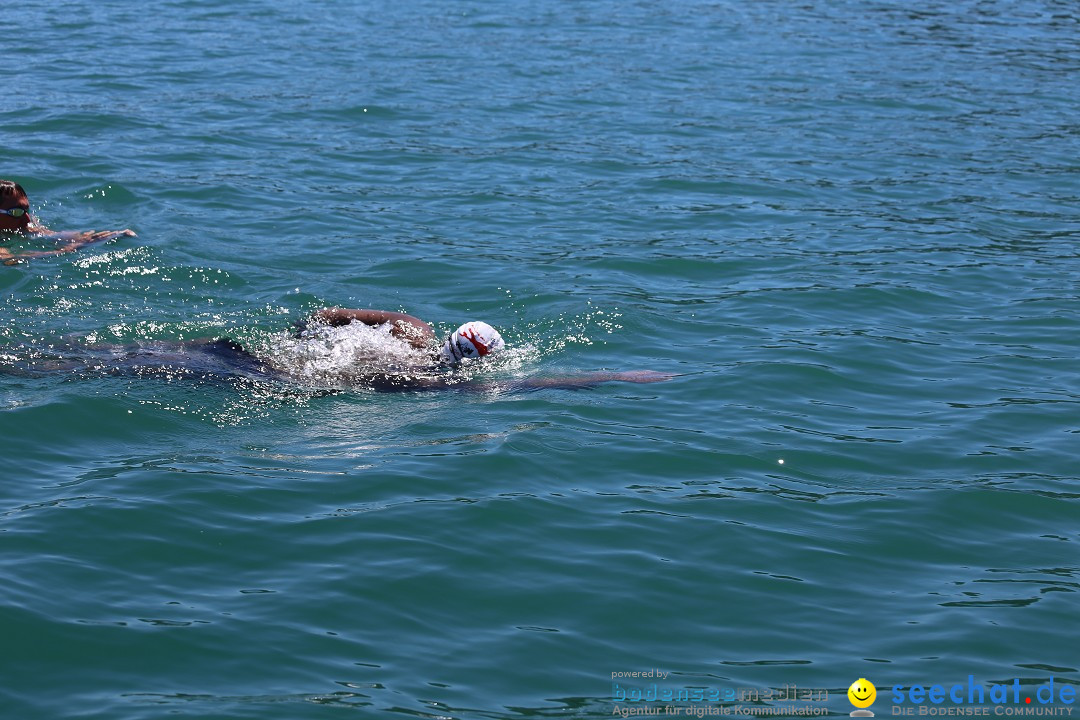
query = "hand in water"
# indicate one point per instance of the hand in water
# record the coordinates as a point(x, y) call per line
point(74, 241)
point(643, 376)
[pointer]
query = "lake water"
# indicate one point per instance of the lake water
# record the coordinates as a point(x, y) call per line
point(849, 227)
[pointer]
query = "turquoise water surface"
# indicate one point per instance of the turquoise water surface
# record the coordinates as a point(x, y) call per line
point(850, 228)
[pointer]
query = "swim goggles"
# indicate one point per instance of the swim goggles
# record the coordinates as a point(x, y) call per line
point(14, 212)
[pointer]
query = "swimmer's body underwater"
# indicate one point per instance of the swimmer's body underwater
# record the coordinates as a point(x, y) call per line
point(223, 357)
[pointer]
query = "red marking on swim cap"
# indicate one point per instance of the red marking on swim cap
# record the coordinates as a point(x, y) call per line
point(471, 336)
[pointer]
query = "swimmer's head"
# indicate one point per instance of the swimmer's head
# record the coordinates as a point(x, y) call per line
point(14, 207)
point(471, 340)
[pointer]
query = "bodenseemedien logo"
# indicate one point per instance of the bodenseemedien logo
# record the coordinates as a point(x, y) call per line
point(862, 694)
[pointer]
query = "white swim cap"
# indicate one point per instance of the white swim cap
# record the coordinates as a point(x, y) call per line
point(471, 340)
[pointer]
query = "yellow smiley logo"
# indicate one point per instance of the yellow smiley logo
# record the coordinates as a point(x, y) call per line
point(862, 693)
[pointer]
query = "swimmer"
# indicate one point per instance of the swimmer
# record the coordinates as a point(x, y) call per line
point(472, 341)
point(15, 217)
point(424, 363)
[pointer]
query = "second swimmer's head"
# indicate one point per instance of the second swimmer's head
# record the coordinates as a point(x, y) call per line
point(471, 340)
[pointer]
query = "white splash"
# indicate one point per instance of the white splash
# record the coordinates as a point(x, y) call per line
point(323, 355)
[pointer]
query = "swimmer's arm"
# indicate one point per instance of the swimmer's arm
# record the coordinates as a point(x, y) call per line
point(557, 382)
point(10, 258)
point(411, 329)
point(75, 239)
point(587, 380)
point(72, 241)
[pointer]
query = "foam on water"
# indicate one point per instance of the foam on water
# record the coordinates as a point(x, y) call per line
point(333, 356)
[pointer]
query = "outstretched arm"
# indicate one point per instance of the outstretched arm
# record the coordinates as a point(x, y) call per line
point(411, 329)
point(587, 380)
point(394, 383)
point(10, 258)
point(75, 239)
point(71, 240)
